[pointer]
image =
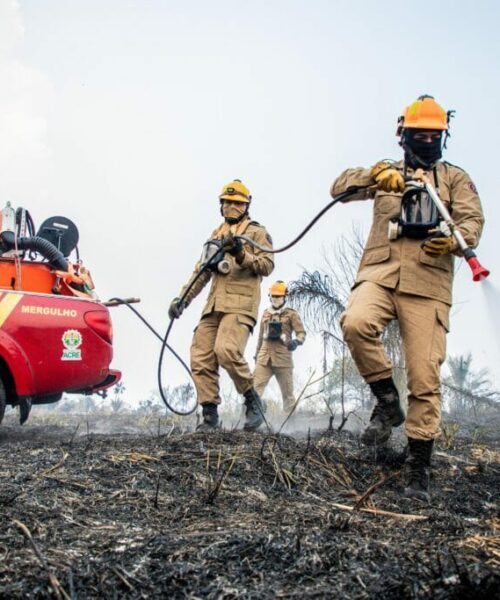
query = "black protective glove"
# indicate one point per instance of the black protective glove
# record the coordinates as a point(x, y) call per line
point(176, 308)
point(232, 245)
point(293, 345)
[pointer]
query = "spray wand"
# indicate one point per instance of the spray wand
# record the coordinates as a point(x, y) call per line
point(420, 180)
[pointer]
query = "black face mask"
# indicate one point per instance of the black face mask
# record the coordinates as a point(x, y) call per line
point(420, 154)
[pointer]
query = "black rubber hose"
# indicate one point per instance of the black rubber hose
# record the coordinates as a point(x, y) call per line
point(169, 348)
point(37, 244)
point(165, 346)
point(340, 198)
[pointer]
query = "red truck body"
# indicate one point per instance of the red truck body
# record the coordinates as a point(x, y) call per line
point(50, 343)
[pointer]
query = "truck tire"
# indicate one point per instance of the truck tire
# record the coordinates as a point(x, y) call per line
point(3, 398)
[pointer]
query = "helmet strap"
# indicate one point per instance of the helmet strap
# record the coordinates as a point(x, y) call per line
point(445, 139)
point(449, 116)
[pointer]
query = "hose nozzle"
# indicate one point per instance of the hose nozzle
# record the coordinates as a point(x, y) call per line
point(478, 271)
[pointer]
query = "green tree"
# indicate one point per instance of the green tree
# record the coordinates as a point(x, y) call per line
point(466, 390)
point(151, 405)
point(117, 402)
point(321, 297)
point(180, 395)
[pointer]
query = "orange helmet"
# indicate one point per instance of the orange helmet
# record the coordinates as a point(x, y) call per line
point(279, 288)
point(424, 113)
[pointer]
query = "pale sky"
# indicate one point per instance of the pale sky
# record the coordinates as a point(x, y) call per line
point(129, 116)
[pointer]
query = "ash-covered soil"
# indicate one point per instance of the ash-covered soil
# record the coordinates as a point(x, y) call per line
point(236, 515)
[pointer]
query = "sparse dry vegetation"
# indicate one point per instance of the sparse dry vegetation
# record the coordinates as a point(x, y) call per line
point(98, 500)
point(157, 512)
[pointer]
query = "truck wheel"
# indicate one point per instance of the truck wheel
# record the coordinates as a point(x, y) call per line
point(3, 398)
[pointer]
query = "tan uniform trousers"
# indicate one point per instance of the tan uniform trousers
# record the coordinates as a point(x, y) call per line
point(220, 340)
point(423, 324)
point(284, 377)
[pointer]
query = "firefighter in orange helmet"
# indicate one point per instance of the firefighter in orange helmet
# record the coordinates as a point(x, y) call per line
point(276, 343)
point(230, 312)
point(406, 273)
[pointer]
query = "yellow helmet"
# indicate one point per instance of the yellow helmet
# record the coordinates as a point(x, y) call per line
point(424, 113)
point(279, 288)
point(236, 192)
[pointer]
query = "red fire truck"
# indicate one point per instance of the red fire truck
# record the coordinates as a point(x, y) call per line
point(55, 334)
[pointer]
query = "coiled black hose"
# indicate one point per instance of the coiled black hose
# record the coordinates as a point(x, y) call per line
point(37, 244)
point(340, 198)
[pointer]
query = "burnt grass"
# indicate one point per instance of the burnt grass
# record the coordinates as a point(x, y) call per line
point(241, 515)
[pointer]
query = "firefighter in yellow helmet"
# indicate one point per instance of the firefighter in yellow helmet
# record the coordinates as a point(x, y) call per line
point(276, 343)
point(230, 312)
point(406, 273)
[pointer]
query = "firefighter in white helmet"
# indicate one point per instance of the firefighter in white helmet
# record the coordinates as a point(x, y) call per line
point(281, 332)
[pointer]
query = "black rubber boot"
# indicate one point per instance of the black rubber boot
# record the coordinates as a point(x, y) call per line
point(210, 418)
point(418, 469)
point(386, 414)
point(254, 414)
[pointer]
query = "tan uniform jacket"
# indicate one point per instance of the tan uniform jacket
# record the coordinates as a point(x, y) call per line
point(402, 261)
point(238, 292)
point(276, 351)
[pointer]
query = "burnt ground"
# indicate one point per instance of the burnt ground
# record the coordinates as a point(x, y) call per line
point(236, 515)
